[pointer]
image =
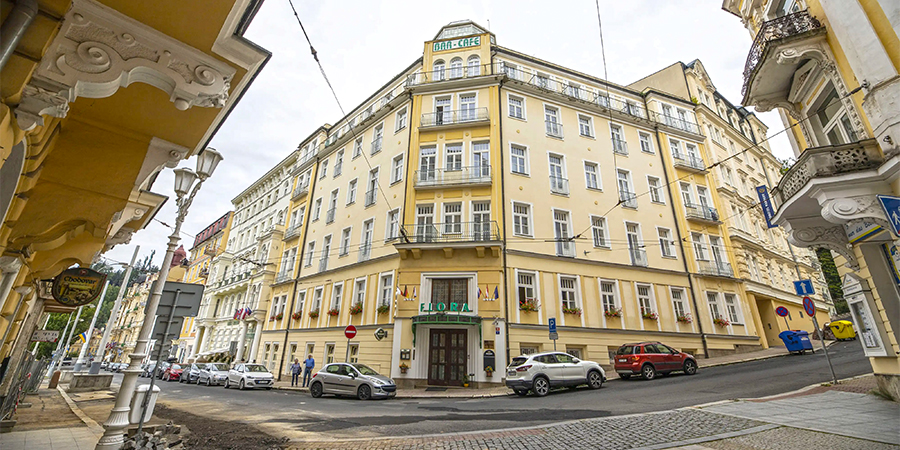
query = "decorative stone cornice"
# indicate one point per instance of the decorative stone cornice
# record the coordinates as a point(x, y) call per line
point(850, 209)
point(10, 264)
point(833, 238)
point(39, 99)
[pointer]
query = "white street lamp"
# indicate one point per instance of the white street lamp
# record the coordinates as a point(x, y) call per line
point(115, 425)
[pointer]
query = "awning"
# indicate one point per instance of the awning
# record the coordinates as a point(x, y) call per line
point(446, 319)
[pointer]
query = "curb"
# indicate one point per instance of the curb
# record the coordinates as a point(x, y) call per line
point(95, 427)
point(406, 397)
point(760, 358)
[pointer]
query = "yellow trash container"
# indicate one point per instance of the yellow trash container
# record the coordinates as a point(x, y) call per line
point(842, 329)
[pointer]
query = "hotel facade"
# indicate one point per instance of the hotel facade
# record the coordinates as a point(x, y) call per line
point(482, 191)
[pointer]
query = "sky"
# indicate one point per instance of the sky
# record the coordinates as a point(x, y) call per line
point(363, 44)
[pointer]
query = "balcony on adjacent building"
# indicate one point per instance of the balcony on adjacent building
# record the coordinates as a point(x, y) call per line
point(825, 162)
point(701, 213)
point(559, 185)
point(460, 117)
point(329, 216)
point(449, 236)
point(628, 199)
point(620, 147)
point(281, 277)
point(773, 60)
point(715, 268)
point(300, 191)
point(439, 178)
point(638, 257)
point(292, 232)
point(688, 162)
point(554, 129)
point(675, 122)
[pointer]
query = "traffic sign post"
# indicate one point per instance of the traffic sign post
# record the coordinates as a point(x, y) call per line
point(380, 334)
point(553, 334)
point(783, 312)
point(804, 287)
point(349, 333)
point(810, 308)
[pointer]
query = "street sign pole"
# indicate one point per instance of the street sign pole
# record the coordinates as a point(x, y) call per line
point(810, 308)
point(551, 323)
point(349, 333)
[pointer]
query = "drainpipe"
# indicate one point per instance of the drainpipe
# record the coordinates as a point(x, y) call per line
point(14, 28)
point(503, 212)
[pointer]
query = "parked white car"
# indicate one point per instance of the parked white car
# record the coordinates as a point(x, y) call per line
point(541, 371)
point(213, 374)
point(249, 376)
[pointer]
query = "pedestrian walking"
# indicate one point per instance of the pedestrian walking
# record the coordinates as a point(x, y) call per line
point(295, 372)
point(308, 363)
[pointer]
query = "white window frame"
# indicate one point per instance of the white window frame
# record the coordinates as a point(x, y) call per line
point(599, 180)
point(604, 231)
point(617, 301)
point(529, 217)
point(357, 292)
point(509, 109)
point(346, 239)
point(660, 197)
point(388, 236)
point(576, 279)
point(684, 301)
point(340, 300)
point(652, 297)
point(352, 188)
point(649, 140)
point(397, 168)
point(737, 317)
point(590, 126)
point(401, 119)
point(385, 292)
point(317, 209)
point(673, 252)
point(310, 253)
point(526, 158)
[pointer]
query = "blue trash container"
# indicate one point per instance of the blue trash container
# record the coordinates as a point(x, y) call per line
point(796, 341)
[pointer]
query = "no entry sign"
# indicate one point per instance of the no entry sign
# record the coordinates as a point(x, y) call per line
point(350, 332)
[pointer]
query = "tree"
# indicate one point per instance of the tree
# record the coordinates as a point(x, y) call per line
point(835, 287)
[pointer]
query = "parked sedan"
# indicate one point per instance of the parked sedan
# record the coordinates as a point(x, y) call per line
point(648, 359)
point(213, 374)
point(161, 369)
point(541, 371)
point(355, 379)
point(248, 376)
point(148, 368)
point(190, 373)
point(172, 373)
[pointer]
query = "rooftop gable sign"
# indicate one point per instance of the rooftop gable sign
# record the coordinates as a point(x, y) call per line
point(454, 44)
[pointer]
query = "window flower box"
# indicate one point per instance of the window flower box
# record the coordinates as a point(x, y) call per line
point(271, 318)
point(383, 309)
point(529, 305)
point(721, 322)
point(356, 308)
point(574, 311)
point(685, 318)
point(314, 314)
point(333, 312)
point(650, 315)
point(297, 315)
point(613, 313)
point(279, 316)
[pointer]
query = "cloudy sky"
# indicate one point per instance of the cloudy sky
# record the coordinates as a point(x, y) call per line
point(363, 44)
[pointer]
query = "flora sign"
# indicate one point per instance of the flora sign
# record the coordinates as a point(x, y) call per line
point(442, 307)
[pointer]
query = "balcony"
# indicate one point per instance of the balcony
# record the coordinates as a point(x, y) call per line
point(829, 161)
point(455, 118)
point(554, 129)
point(638, 257)
point(365, 252)
point(676, 123)
point(282, 277)
point(376, 147)
point(323, 264)
point(559, 185)
point(773, 59)
point(688, 162)
point(620, 147)
point(715, 268)
point(292, 232)
point(565, 248)
point(329, 216)
point(449, 74)
point(300, 191)
point(371, 195)
point(437, 178)
point(701, 213)
point(628, 199)
point(450, 234)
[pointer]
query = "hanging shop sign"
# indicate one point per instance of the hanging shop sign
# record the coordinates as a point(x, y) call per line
point(457, 43)
point(443, 307)
point(76, 287)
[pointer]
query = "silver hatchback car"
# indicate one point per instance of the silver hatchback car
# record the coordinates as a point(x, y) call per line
point(213, 374)
point(354, 379)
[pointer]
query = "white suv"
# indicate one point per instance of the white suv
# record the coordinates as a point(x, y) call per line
point(541, 371)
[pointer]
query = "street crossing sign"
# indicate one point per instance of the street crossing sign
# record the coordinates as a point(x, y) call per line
point(891, 206)
point(804, 287)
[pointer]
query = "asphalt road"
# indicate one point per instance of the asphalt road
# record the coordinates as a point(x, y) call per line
point(299, 416)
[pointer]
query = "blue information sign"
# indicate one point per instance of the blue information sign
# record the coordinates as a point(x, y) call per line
point(552, 323)
point(766, 204)
point(891, 206)
point(804, 287)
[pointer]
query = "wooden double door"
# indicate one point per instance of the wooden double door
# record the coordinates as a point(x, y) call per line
point(447, 357)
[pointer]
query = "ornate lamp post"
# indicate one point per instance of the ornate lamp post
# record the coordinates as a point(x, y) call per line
point(115, 425)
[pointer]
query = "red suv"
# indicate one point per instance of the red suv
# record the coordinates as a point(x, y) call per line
point(650, 358)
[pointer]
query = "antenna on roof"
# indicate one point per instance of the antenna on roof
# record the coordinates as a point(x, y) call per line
point(489, 24)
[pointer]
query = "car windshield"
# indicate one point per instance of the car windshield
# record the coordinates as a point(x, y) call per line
point(175, 366)
point(255, 368)
point(220, 366)
point(625, 350)
point(518, 361)
point(364, 369)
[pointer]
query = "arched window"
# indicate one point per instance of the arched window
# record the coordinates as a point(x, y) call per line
point(456, 68)
point(438, 70)
point(474, 65)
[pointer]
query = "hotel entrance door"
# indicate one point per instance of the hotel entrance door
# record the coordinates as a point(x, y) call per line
point(447, 357)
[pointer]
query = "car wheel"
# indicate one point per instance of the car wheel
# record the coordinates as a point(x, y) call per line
point(227, 383)
point(594, 379)
point(521, 392)
point(241, 385)
point(364, 392)
point(541, 387)
point(690, 367)
point(648, 372)
point(624, 376)
point(268, 389)
point(316, 390)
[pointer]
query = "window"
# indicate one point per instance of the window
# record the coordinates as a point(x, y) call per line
point(323, 169)
point(831, 121)
point(317, 209)
point(516, 107)
point(584, 126)
point(645, 299)
point(345, 242)
point(552, 122)
point(354, 353)
point(339, 163)
point(393, 225)
point(599, 231)
point(481, 218)
point(453, 154)
point(359, 291)
point(731, 306)
point(357, 147)
point(474, 66)
point(591, 175)
point(687, 194)
point(608, 296)
point(567, 292)
point(558, 182)
point(518, 159)
point(400, 120)
point(700, 250)
point(337, 294)
point(366, 240)
point(438, 69)
point(450, 290)
point(387, 290)
point(562, 233)
point(467, 107)
point(452, 218)
point(377, 139)
point(351, 191)
point(521, 219)
point(425, 231)
point(712, 298)
point(442, 110)
point(626, 193)
point(678, 303)
point(656, 193)
point(646, 143)
point(618, 139)
point(397, 169)
point(310, 250)
point(665, 242)
point(332, 206)
point(329, 353)
point(456, 68)
point(525, 288)
point(427, 162)
point(372, 187)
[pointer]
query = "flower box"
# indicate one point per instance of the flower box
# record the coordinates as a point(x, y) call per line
point(314, 314)
point(333, 312)
point(613, 313)
point(356, 308)
point(279, 316)
point(383, 309)
point(721, 321)
point(649, 315)
point(529, 305)
point(403, 367)
point(573, 311)
point(685, 318)
point(271, 318)
point(297, 315)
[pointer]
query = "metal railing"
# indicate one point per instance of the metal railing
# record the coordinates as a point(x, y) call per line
point(778, 28)
point(559, 185)
point(463, 175)
point(701, 212)
point(371, 196)
point(329, 216)
point(338, 169)
point(628, 199)
point(449, 73)
point(282, 277)
point(308, 156)
point(452, 232)
point(717, 268)
point(292, 231)
point(300, 191)
point(365, 251)
point(565, 247)
point(620, 147)
point(26, 379)
point(638, 257)
point(454, 117)
point(688, 161)
point(675, 122)
point(554, 129)
point(376, 146)
point(323, 264)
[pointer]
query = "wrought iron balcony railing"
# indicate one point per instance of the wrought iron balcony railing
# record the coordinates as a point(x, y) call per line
point(565, 247)
point(620, 147)
point(454, 117)
point(323, 264)
point(701, 212)
point(638, 257)
point(675, 122)
point(365, 251)
point(688, 162)
point(554, 129)
point(292, 231)
point(329, 216)
point(463, 175)
point(778, 28)
point(371, 196)
point(717, 268)
point(376, 146)
point(559, 185)
point(449, 73)
point(628, 199)
point(300, 191)
point(451, 232)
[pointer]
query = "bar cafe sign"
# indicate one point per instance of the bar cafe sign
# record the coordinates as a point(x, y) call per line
point(442, 307)
point(76, 287)
point(454, 44)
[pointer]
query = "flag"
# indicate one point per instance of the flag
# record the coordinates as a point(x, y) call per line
point(496, 293)
point(414, 292)
point(247, 312)
point(405, 291)
point(237, 313)
point(399, 294)
point(479, 291)
point(83, 336)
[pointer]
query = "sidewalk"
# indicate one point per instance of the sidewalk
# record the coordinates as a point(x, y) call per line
point(500, 391)
point(51, 423)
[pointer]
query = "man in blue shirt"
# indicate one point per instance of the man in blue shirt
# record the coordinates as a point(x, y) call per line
point(308, 363)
